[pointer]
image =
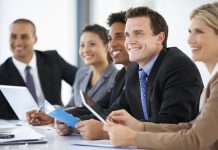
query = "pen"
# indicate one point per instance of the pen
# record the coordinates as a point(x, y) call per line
point(40, 108)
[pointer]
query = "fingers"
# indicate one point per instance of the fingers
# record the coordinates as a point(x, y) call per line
point(118, 119)
point(118, 112)
point(28, 114)
point(40, 118)
point(81, 124)
point(62, 129)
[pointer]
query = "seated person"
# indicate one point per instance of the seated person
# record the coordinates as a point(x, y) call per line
point(98, 77)
point(46, 68)
point(202, 132)
point(174, 82)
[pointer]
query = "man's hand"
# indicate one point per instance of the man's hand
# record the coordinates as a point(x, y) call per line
point(92, 130)
point(38, 118)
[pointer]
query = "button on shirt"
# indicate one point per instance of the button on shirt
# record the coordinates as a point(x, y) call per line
point(34, 72)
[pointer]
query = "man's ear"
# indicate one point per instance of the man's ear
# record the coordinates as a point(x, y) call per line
point(36, 39)
point(161, 38)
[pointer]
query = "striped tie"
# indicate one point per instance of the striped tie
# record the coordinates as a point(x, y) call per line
point(30, 83)
point(142, 80)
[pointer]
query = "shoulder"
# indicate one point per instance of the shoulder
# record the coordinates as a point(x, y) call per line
point(6, 64)
point(47, 53)
point(132, 69)
point(110, 71)
point(176, 55)
point(175, 58)
point(83, 70)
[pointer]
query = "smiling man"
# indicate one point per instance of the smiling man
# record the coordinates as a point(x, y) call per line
point(47, 69)
point(164, 85)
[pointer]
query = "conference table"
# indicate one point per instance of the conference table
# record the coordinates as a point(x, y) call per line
point(56, 142)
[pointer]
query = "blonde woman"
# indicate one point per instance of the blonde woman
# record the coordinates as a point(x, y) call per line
point(201, 133)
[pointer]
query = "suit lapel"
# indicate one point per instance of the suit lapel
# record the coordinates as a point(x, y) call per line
point(84, 84)
point(102, 80)
point(95, 88)
point(44, 73)
point(153, 74)
point(14, 76)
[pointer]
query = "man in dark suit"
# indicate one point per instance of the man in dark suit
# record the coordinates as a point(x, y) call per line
point(173, 84)
point(47, 68)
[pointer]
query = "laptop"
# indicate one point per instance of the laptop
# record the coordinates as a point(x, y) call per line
point(20, 100)
point(93, 107)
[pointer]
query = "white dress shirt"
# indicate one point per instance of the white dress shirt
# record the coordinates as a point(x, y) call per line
point(34, 72)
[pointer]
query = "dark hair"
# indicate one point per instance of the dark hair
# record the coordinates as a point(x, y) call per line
point(116, 17)
point(158, 23)
point(99, 30)
point(22, 20)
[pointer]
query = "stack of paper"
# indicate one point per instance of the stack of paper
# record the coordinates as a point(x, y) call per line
point(24, 135)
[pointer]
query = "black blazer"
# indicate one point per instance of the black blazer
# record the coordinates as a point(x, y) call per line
point(52, 68)
point(174, 87)
point(110, 97)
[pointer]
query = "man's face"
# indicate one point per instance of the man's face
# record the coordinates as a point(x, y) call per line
point(116, 45)
point(141, 44)
point(22, 40)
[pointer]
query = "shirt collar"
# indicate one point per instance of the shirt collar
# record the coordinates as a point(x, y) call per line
point(215, 70)
point(21, 66)
point(147, 68)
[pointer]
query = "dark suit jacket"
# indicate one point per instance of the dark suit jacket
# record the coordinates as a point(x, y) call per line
point(52, 68)
point(173, 89)
point(106, 101)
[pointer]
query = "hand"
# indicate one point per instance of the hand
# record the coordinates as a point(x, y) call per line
point(62, 128)
point(120, 135)
point(38, 118)
point(124, 118)
point(92, 129)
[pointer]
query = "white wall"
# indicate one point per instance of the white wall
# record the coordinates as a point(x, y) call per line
point(55, 23)
point(101, 9)
point(176, 13)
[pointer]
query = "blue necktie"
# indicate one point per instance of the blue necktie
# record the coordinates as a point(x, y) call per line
point(30, 83)
point(142, 80)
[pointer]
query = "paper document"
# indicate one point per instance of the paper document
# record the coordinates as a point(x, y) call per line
point(24, 135)
point(60, 114)
point(98, 143)
point(19, 99)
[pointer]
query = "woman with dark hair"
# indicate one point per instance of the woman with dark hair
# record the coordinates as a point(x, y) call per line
point(97, 78)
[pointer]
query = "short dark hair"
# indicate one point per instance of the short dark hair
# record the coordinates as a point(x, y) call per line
point(158, 23)
point(116, 17)
point(22, 20)
point(99, 30)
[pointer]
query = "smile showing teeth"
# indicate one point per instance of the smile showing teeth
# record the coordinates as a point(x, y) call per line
point(115, 53)
point(195, 49)
point(18, 48)
point(134, 49)
point(88, 57)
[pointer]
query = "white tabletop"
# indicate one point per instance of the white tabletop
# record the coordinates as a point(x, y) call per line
point(55, 142)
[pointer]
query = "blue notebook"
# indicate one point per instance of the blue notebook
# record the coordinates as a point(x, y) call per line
point(60, 114)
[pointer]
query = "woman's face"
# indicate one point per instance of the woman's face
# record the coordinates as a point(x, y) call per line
point(92, 49)
point(203, 42)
